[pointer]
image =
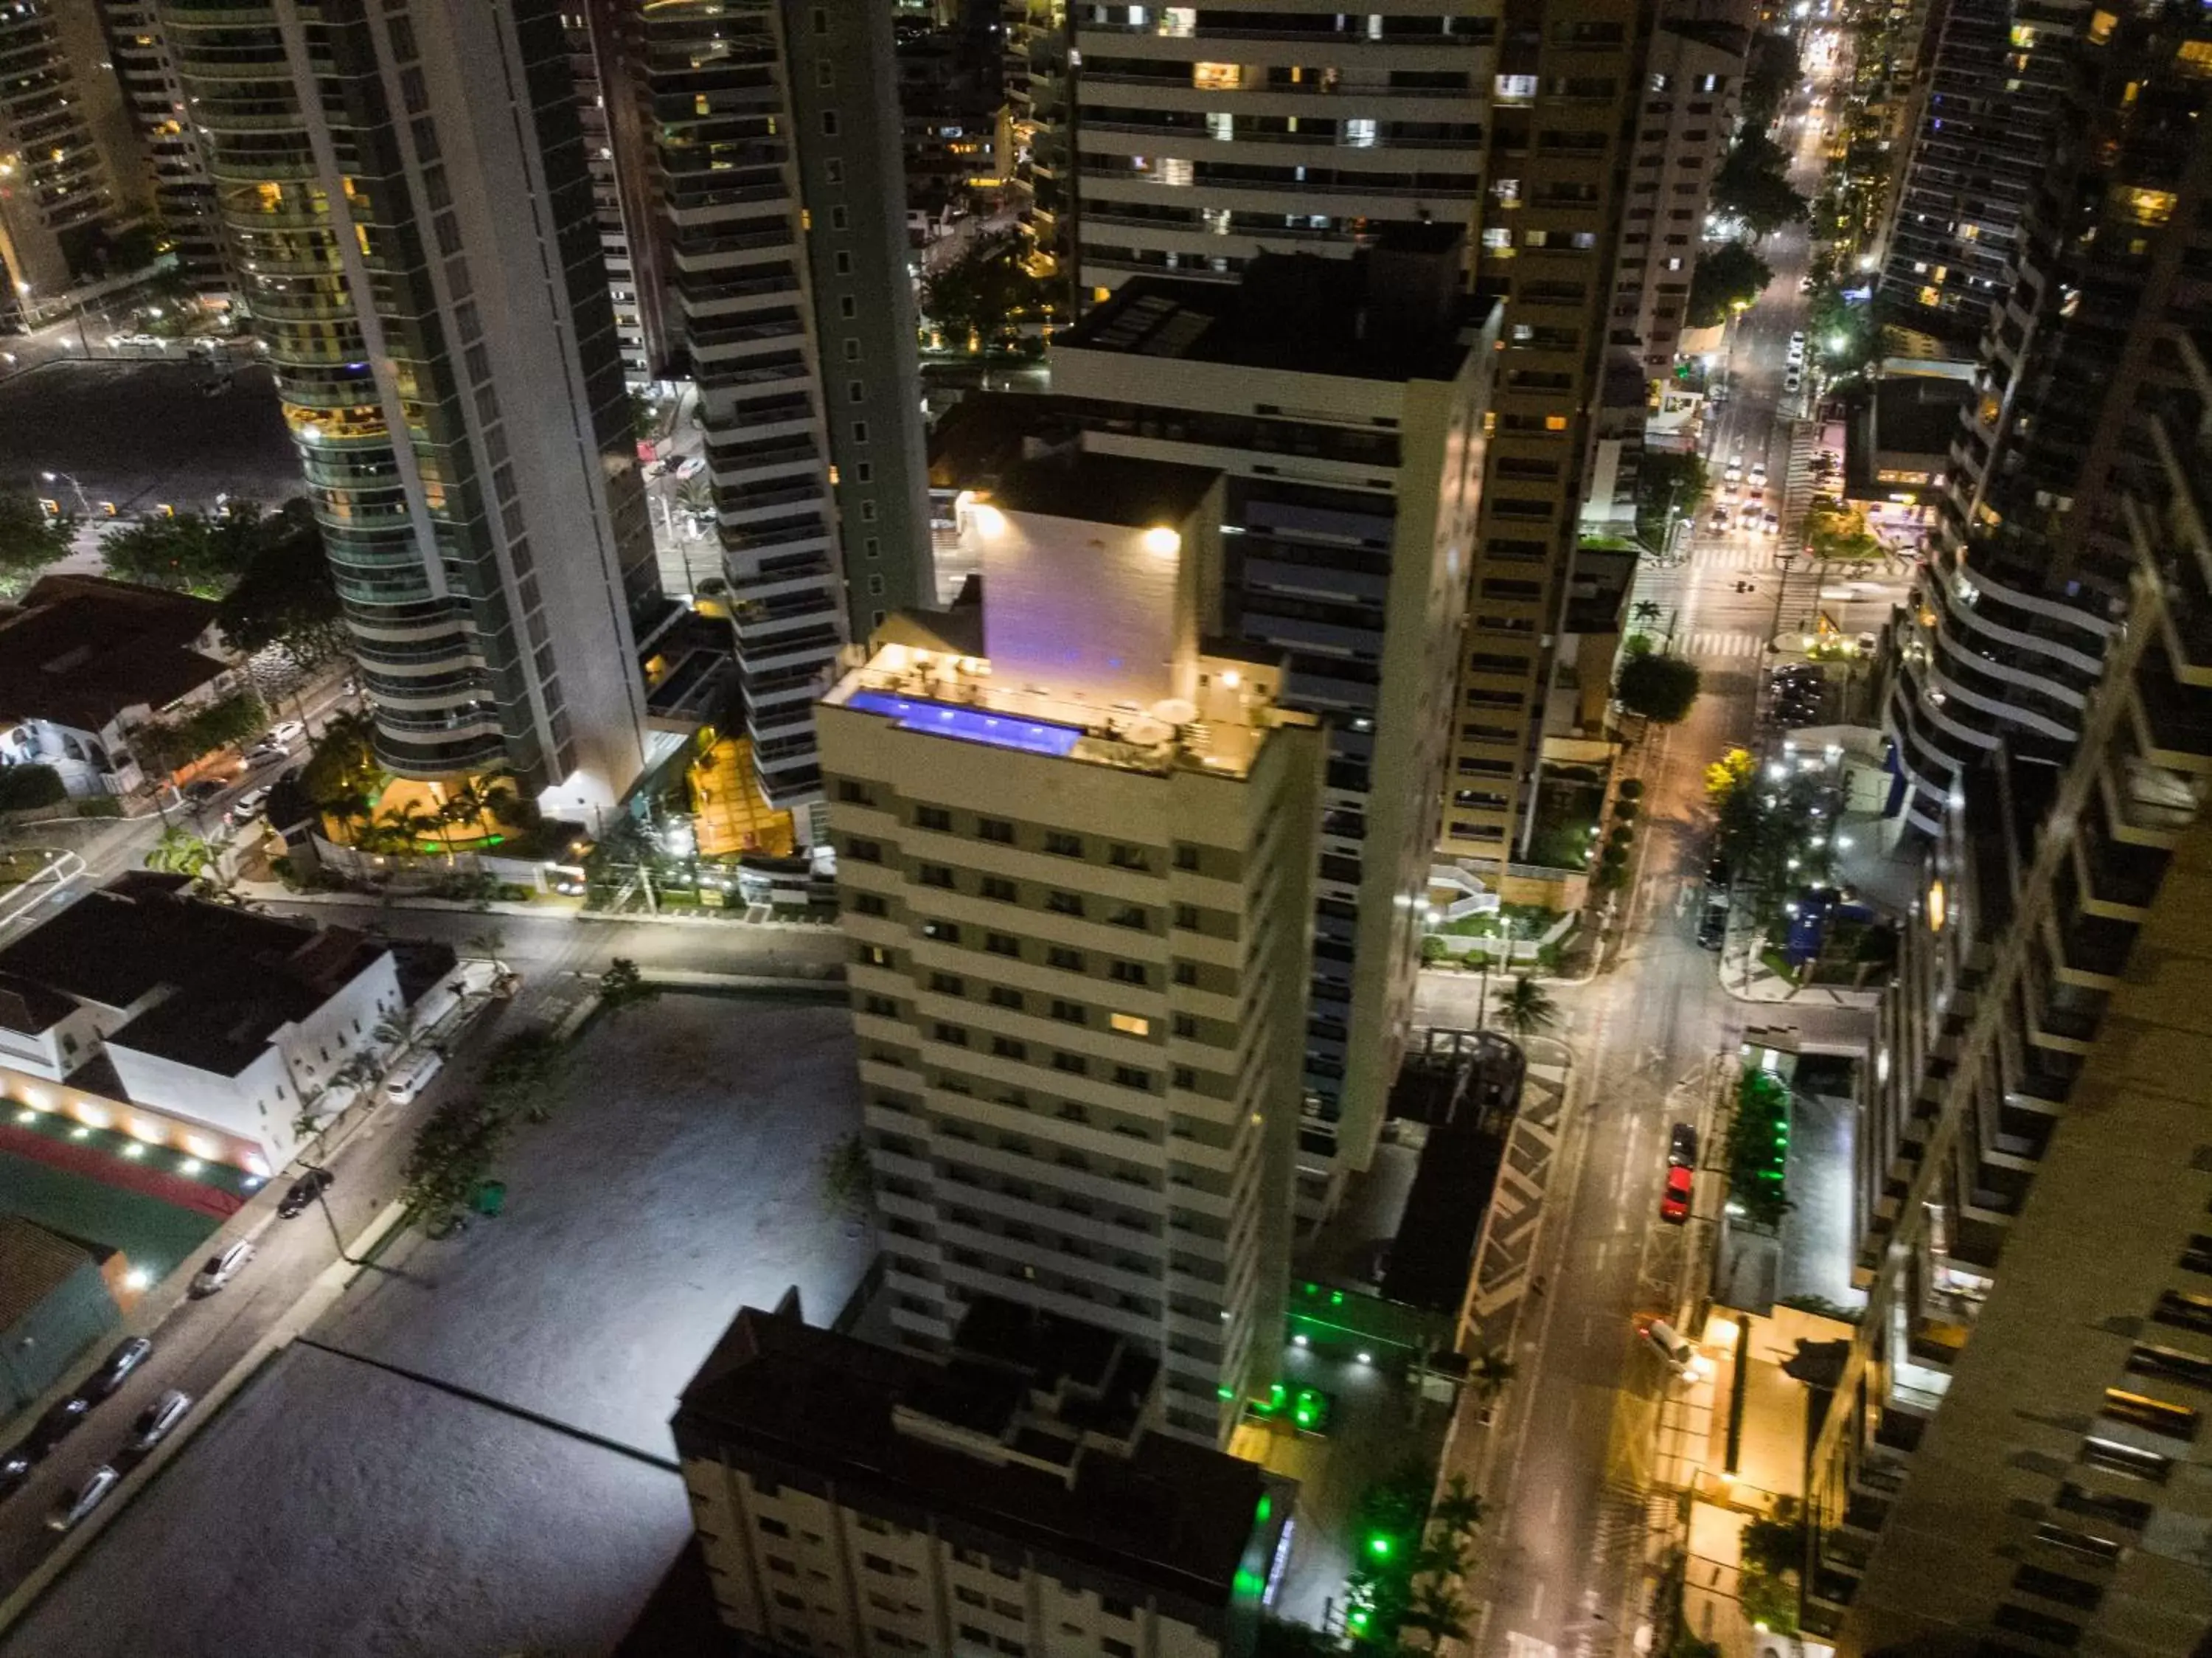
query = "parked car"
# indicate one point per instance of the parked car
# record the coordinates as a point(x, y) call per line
point(15, 1472)
point(1682, 1145)
point(1793, 381)
point(201, 792)
point(1681, 1358)
point(1674, 1201)
point(1712, 927)
point(62, 1418)
point(1770, 523)
point(286, 732)
point(303, 1191)
point(72, 1508)
point(116, 1368)
point(247, 805)
point(221, 1269)
point(691, 466)
point(411, 1078)
point(156, 1420)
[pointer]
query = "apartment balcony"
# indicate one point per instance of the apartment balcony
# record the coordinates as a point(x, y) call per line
point(815, 645)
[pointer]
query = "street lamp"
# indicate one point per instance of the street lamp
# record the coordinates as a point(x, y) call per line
point(83, 505)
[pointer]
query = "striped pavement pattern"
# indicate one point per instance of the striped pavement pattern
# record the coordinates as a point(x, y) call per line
point(1705, 644)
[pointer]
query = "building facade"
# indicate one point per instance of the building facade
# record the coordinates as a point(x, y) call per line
point(2015, 1450)
point(1345, 401)
point(1543, 614)
point(182, 194)
point(58, 193)
point(1075, 857)
point(781, 204)
point(1015, 1496)
point(2029, 560)
point(1202, 138)
point(1992, 105)
point(405, 197)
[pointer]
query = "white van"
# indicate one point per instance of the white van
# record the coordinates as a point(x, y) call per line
point(412, 1077)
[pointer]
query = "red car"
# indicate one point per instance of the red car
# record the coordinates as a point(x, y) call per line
point(1674, 1202)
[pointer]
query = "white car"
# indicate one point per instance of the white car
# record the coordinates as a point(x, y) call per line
point(1681, 1358)
point(1733, 474)
point(691, 466)
point(287, 731)
point(1793, 381)
point(156, 1421)
point(1759, 472)
point(1797, 340)
point(74, 1507)
point(221, 1269)
point(247, 805)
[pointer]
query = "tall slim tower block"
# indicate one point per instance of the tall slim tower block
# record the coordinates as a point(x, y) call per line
point(406, 196)
point(1075, 850)
point(781, 196)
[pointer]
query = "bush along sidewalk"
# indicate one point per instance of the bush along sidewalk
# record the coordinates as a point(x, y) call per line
point(1759, 1149)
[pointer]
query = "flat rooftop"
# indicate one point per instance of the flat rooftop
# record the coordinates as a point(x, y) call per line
point(1296, 312)
point(1170, 1514)
point(1104, 489)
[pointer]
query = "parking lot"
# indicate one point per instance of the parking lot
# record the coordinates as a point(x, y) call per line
point(141, 434)
point(468, 1455)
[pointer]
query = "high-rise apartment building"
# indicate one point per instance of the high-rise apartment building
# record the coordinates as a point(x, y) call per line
point(1204, 136)
point(1034, 71)
point(58, 194)
point(1992, 105)
point(1345, 402)
point(1686, 120)
point(1075, 857)
point(1014, 1495)
point(405, 197)
point(183, 196)
point(1540, 632)
point(781, 200)
point(2016, 1458)
point(603, 46)
point(2029, 559)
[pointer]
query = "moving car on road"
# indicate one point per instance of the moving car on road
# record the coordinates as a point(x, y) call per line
point(286, 732)
point(1682, 1358)
point(221, 1269)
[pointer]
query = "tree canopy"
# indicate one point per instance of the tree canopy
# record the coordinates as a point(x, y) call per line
point(1770, 71)
point(1726, 276)
point(1753, 185)
point(985, 292)
point(286, 597)
point(1667, 480)
point(1659, 688)
point(1841, 534)
point(29, 540)
point(188, 553)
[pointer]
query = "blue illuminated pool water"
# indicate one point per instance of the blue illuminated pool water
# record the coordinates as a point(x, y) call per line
point(969, 724)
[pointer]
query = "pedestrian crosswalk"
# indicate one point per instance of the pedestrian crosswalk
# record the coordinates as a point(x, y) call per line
point(1719, 644)
point(1740, 556)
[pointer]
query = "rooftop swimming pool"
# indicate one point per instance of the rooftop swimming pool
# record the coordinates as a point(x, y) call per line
point(969, 724)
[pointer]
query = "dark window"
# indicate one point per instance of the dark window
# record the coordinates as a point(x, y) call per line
point(2040, 1626)
point(1186, 917)
point(1186, 973)
point(1064, 904)
point(1067, 960)
point(2111, 1454)
point(774, 1527)
point(1186, 1024)
point(1128, 973)
point(2057, 1586)
point(1002, 944)
point(1128, 915)
point(951, 1034)
point(947, 984)
point(945, 932)
point(933, 817)
point(1129, 1076)
point(996, 829)
point(1186, 855)
point(2128, 1511)
point(2100, 1549)
point(1070, 1013)
point(2184, 1311)
point(1001, 997)
point(781, 1568)
point(1064, 846)
point(1127, 857)
point(1185, 1077)
point(999, 887)
point(2168, 1363)
point(1074, 1064)
point(865, 851)
point(934, 875)
point(869, 903)
point(1007, 1048)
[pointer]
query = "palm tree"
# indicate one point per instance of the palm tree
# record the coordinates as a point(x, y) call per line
point(1458, 1510)
point(1526, 1009)
point(697, 497)
point(1647, 610)
point(410, 824)
point(488, 944)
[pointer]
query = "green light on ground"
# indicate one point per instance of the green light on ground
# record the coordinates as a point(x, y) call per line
point(1380, 1545)
point(1226, 1392)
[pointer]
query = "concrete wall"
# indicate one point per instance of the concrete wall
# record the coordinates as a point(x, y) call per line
point(40, 1346)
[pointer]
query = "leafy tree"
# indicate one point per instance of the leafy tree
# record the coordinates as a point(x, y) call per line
point(623, 986)
point(162, 747)
point(188, 553)
point(849, 1185)
point(29, 540)
point(1659, 688)
point(453, 1151)
point(523, 1074)
point(1666, 481)
point(1727, 276)
point(1776, 1544)
point(1752, 184)
point(1277, 1637)
point(1771, 72)
point(985, 292)
point(644, 416)
point(286, 597)
point(1489, 1370)
point(22, 787)
point(1840, 534)
point(1526, 1008)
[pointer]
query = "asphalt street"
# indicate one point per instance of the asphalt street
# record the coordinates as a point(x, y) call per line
point(1562, 1563)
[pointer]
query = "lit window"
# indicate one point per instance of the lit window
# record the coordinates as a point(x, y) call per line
point(1130, 1024)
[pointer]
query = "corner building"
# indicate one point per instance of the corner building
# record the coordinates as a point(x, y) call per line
point(406, 199)
point(1075, 854)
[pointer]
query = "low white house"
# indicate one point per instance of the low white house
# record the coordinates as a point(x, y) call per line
point(187, 1023)
point(84, 661)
